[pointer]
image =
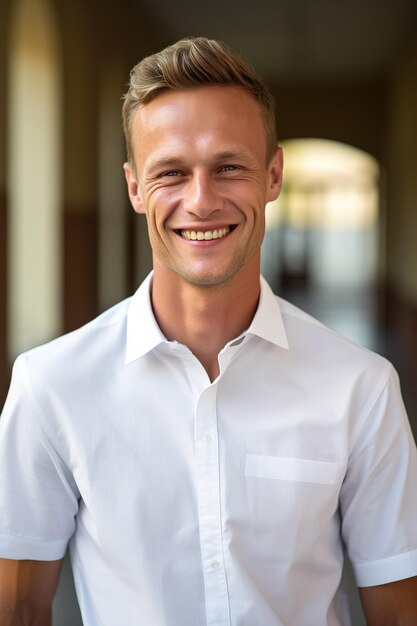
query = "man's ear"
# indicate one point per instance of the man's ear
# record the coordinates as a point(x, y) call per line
point(275, 170)
point(133, 188)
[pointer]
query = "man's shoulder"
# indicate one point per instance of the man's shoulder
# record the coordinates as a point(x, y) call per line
point(308, 335)
point(86, 347)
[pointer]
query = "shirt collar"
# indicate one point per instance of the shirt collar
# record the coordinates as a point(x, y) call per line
point(267, 322)
point(144, 334)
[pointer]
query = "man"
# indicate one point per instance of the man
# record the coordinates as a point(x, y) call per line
point(205, 449)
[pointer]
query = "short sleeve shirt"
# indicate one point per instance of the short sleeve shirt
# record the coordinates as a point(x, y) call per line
point(188, 502)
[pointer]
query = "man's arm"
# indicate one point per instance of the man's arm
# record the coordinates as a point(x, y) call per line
point(27, 589)
point(393, 604)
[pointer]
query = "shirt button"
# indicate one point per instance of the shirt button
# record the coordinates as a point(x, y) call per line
point(207, 438)
point(214, 564)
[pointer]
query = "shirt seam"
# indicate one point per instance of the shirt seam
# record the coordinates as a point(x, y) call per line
point(30, 393)
point(370, 404)
point(34, 539)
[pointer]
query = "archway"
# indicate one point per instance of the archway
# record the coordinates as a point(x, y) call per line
point(322, 233)
point(34, 150)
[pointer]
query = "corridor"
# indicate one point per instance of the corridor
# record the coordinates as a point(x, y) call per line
point(70, 245)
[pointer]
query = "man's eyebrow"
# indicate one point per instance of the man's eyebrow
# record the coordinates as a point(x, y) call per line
point(172, 161)
point(230, 154)
point(164, 162)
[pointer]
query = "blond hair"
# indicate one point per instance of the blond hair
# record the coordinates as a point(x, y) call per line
point(189, 63)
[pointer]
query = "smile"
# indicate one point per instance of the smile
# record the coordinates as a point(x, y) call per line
point(206, 235)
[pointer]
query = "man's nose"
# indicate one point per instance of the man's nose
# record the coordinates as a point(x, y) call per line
point(202, 195)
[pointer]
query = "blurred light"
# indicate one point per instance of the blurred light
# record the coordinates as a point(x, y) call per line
point(323, 227)
point(327, 185)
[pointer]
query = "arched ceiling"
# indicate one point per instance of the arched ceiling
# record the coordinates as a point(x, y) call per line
point(298, 39)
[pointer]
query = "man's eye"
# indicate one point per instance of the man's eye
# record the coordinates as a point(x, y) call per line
point(229, 168)
point(172, 173)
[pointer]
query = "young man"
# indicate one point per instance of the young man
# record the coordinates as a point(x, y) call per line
point(205, 449)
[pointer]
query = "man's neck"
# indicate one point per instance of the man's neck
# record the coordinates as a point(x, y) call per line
point(205, 318)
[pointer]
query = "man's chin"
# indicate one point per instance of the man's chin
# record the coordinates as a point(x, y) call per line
point(204, 275)
point(208, 279)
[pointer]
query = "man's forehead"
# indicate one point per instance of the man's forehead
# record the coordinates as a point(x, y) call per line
point(223, 96)
point(213, 118)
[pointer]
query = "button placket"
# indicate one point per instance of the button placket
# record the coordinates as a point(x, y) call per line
point(208, 484)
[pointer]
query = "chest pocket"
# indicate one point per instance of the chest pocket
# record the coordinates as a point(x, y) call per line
point(291, 469)
point(292, 501)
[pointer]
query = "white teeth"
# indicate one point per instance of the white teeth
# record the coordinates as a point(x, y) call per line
point(206, 235)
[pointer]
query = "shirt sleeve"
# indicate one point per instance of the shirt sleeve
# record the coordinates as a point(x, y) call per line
point(38, 495)
point(379, 495)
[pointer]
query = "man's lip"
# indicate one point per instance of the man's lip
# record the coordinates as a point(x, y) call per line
point(204, 228)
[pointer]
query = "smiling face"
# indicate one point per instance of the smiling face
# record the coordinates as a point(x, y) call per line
point(202, 179)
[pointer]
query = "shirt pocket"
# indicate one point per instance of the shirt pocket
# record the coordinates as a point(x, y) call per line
point(291, 469)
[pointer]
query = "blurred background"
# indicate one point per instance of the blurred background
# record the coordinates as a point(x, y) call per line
point(342, 239)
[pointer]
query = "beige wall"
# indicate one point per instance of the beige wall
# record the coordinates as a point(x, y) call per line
point(4, 365)
point(4, 9)
point(34, 176)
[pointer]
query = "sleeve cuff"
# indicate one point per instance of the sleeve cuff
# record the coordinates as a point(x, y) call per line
point(19, 548)
point(383, 571)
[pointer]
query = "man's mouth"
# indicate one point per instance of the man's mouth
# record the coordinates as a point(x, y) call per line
point(205, 235)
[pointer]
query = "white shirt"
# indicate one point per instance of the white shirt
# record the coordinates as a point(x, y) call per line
point(190, 503)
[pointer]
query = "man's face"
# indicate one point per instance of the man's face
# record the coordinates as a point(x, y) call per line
point(202, 179)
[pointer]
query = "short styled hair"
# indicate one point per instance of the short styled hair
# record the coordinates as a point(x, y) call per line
point(193, 62)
